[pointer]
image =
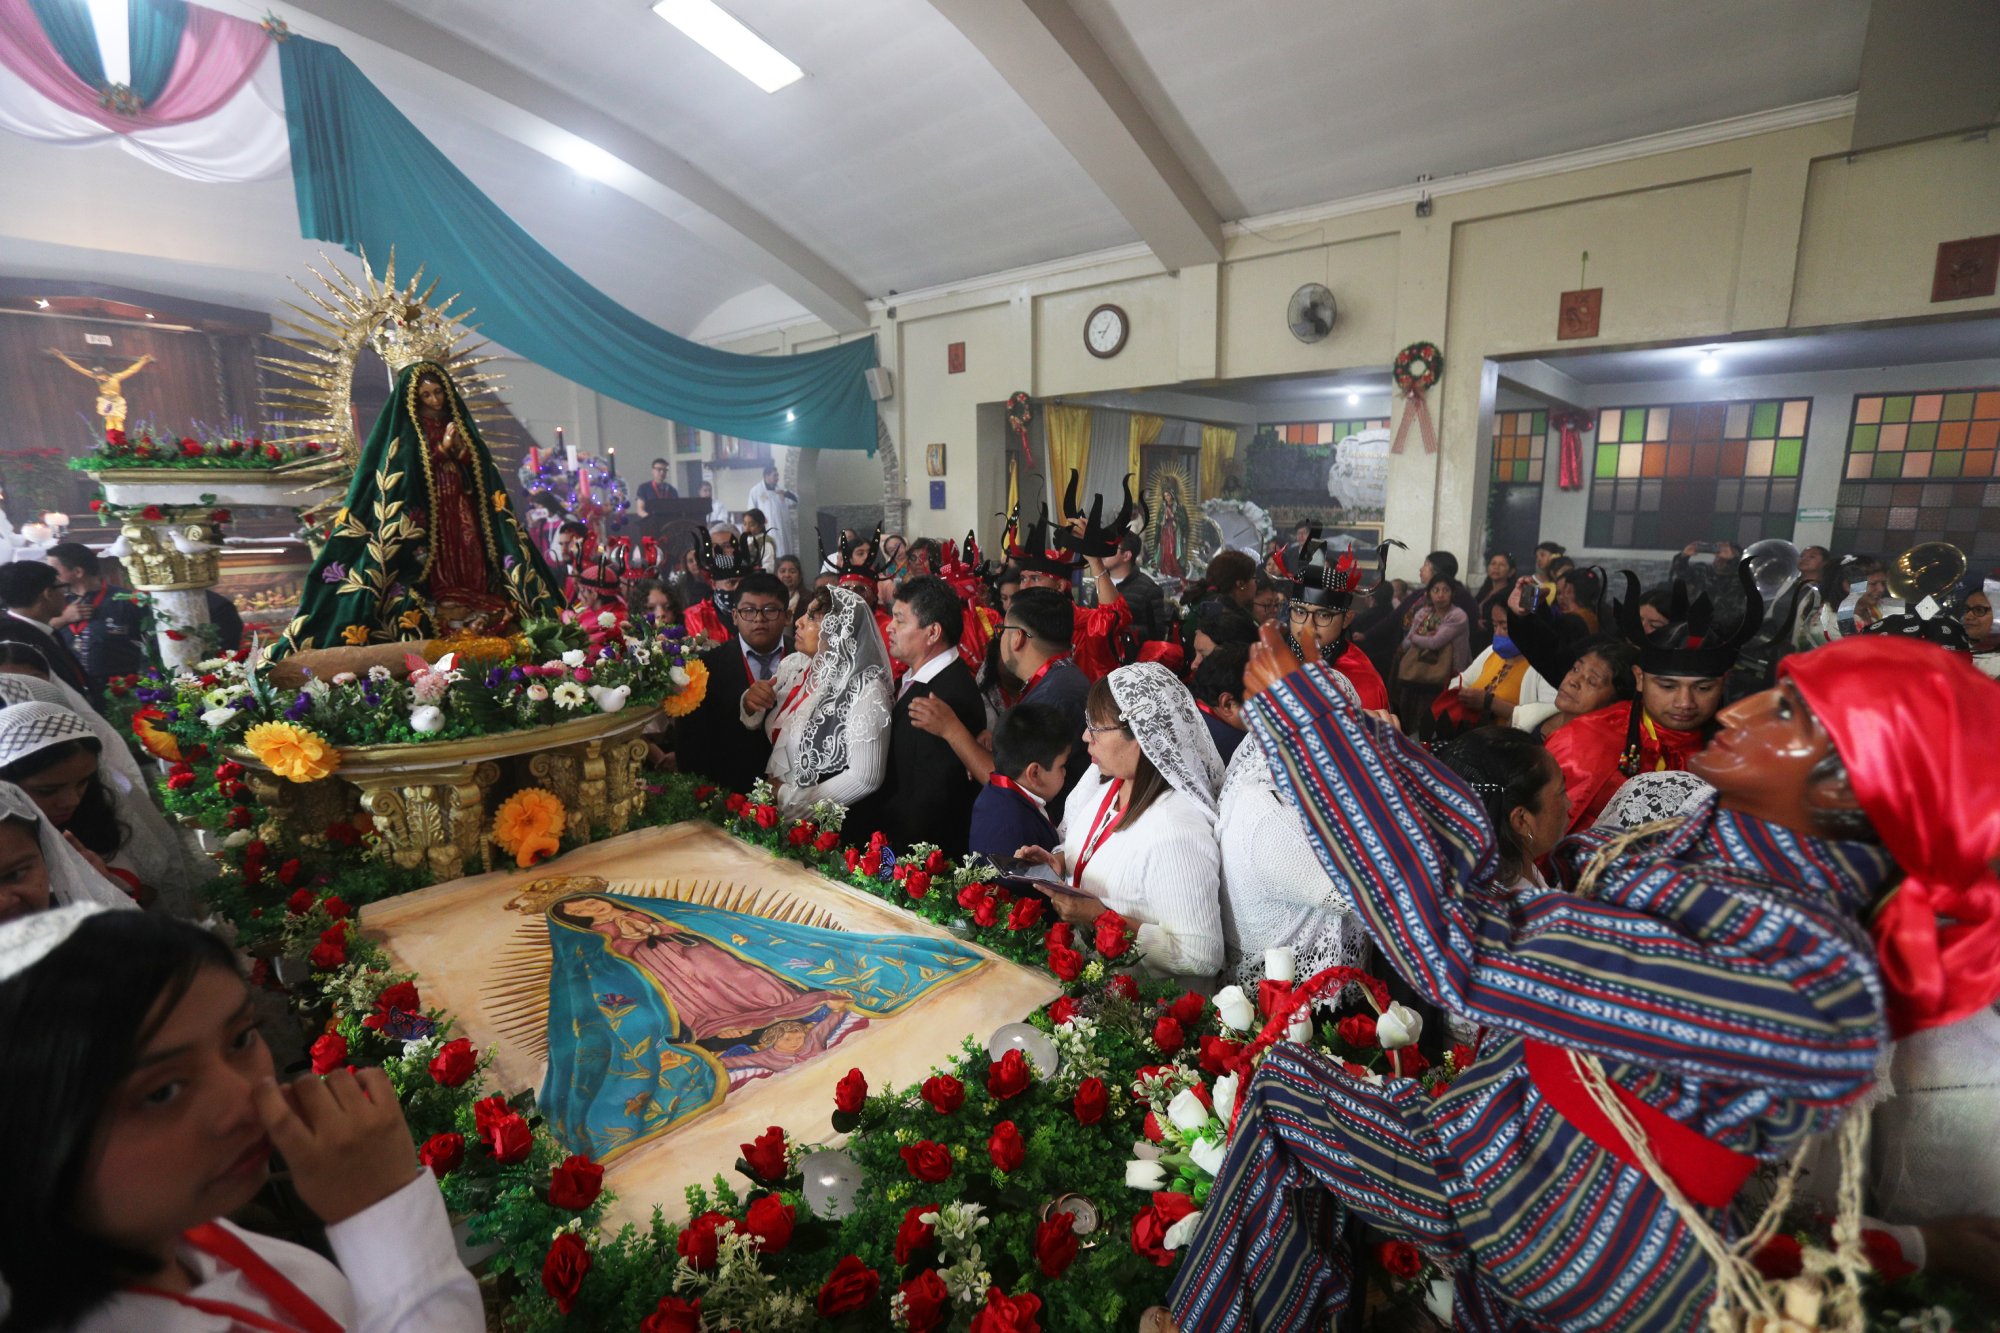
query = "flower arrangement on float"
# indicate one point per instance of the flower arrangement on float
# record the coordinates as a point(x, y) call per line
point(146, 446)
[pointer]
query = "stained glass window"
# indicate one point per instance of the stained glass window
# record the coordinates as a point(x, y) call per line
point(1520, 440)
point(1662, 476)
point(1323, 432)
point(1922, 467)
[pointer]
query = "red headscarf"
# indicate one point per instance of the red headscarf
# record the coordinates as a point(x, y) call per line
point(1913, 722)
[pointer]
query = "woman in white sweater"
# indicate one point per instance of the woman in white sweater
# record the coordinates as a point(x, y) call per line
point(829, 716)
point(1139, 828)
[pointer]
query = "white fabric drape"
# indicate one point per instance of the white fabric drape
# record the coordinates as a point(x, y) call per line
point(243, 141)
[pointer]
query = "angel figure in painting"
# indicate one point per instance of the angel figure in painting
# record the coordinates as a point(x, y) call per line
point(427, 543)
point(658, 1008)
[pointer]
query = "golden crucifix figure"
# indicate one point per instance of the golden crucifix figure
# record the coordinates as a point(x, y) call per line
point(110, 387)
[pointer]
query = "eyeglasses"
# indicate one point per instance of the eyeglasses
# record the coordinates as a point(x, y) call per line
point(1092, 729)
point(1323, 616)
point(760, 612)
point(1015, 629)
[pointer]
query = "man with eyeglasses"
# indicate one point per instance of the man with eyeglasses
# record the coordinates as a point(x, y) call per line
point(715, 739)
point(1321, 603)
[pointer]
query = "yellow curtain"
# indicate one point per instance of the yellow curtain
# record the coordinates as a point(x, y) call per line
point(1218, 456)
point(1069, 447)
point(1145, 430)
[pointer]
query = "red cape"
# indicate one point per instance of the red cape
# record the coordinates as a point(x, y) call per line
point(1588, 749)
point(1362, 675)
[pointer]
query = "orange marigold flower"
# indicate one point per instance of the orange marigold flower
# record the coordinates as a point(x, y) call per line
point(689, 696)
point(529, 825)
point(291, 751)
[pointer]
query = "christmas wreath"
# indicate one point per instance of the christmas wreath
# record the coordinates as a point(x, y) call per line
point(1418, 367)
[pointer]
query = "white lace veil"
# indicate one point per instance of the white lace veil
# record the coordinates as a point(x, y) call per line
point(158, 851)
point(71, 878)
point(1648, 797)
point(1162, 716)
point(850, 670)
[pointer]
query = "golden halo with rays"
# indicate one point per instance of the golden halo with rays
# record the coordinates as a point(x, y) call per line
point(401, 325)
point(516, 990)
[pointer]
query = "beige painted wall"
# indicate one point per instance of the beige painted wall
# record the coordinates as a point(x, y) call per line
point(1770, 231)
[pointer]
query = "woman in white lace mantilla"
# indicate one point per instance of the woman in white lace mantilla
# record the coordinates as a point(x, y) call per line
point(1139, 829)
point(829, 726)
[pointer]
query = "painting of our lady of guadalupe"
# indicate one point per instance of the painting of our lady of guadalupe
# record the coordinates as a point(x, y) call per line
point(658, 1008)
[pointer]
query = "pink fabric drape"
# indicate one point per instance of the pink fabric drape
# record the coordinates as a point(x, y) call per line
point(217, 56)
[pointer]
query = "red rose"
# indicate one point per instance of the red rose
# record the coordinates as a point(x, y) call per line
point(220, 516)
point(299, 903)
point(329, 1053)
point(1092, 1097)
point(852, 1285)
point(510, 1140)
point(1066, 963)
point(1113, 935)
point(766, 1155)
point(1187, 1010)
point(1441, 1087)
point(1167, 1035)
point(1124, 987)
point(1006, 1147)
point(328, 953)
point(1885, 1255)
point(827, 840)
point(1410, 1061)
point(180, 781)
point(1273, 996)
point(1219, 1055)
point(877, 840)
point(973, 894)
point(1150, 1227)
point(442, 1153)
point(737, 803)
point(488, 1112)
point(1399, 1258)
point(1062, 1009)
point(915, 1234)
point(945, 1093)
point(239, 817)
point(673, 1315)
point(576, 1184)
point(799, 834)
point(871, 864)
point(937, 862)
point(850, 1092)
point(697, 1241)
point(335, 908)
point(926, 1302)
point(927, 1161)
point(704, 791)
point(1055, 1244)
point(1025, 914)
point(1151, 1128)
point(917, 884)
point(988, 912)
point(1462, 1056)
point(151, 513)
point(770, 1221)
point(454, 1062)
point(853, 859)
point(1008, 1076)
point(767, 816)
point(1060, 933)
point(1008, 1314)
point(403, 995)
point(1358, 1031)
point(1779, 1258)
point(562, 1271)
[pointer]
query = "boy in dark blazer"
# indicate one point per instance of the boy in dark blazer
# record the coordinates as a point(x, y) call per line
point(1030, 753)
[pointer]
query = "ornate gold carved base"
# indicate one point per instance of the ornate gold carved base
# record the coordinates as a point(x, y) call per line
point(432, 802)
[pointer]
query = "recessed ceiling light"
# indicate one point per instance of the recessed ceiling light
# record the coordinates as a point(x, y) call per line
point(41, 303)
point(1710, 363)
point(725, 37)
point(1352, 398)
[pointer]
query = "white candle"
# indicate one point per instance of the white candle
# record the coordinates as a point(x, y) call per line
point(1280, 964)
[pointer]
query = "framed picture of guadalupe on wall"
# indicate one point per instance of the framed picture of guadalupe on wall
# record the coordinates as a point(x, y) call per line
point(934, 458)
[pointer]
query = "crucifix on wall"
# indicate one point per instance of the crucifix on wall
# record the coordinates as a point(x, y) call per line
point(110, 387)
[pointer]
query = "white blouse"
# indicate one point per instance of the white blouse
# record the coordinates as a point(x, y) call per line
point(867, 741)
point(406, 1277)
point(1163, 870)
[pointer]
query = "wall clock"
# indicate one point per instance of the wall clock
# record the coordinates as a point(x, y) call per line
point(1105, 331)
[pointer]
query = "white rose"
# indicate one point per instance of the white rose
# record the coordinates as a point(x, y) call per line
point(1207, 1154)
point(426, 719)
point(1186, 1111)
point(538, 692)
point(1145, 1175)
point(1224, 1093)
point(1181, 1232)
point(1233, 1007)
point(1281, 964)
point(1398, 1026)
point(679, 677)
point(218, 717)
point(573, 658)
point(240, 838)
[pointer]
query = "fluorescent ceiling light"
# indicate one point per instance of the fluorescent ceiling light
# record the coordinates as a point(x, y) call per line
point(730, 42)
point(1710, 363)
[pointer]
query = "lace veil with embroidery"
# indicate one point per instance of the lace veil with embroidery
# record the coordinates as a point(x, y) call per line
point(850, 671)
point(1169, 729)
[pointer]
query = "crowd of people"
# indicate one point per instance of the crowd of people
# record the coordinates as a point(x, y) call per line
point(1555, 815)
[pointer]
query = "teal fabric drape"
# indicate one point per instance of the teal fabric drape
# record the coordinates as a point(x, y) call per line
point(67, 22)
point(155, 27)
point(367, 179)
point(156, 39)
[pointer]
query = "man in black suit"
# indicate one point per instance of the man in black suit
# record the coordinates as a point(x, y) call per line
point(713, 738)
point(34, 597)
point(1136, 586)
point(925, 795)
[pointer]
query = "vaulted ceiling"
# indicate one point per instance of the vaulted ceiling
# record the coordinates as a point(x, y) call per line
point(935, 140)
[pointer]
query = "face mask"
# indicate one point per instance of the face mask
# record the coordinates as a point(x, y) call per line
point(1506, 647)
